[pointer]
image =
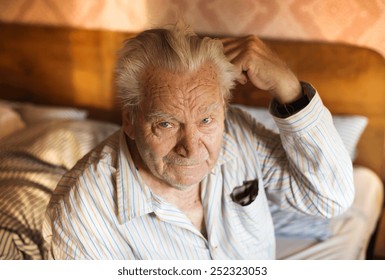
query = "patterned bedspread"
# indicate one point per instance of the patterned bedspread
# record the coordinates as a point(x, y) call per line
point(32, 162)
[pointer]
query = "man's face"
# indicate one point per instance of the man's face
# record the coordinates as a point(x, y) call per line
point(178, 129)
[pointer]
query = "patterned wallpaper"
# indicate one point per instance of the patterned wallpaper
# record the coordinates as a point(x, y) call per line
point(360, 22)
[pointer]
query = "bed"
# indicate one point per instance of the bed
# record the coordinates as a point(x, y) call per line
point(57, 101)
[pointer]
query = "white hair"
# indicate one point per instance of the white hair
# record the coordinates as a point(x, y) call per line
point(176, 48)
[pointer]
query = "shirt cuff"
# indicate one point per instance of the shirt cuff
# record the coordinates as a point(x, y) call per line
point(286, 110)
point(303, 119)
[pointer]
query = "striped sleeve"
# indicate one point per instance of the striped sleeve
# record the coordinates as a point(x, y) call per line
point(316, 175)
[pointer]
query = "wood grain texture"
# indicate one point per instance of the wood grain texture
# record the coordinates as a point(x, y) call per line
point(60, 66)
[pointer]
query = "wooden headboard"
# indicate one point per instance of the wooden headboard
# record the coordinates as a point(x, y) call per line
point(74, 67)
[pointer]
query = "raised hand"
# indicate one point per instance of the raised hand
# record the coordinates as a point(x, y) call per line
point(257, 63)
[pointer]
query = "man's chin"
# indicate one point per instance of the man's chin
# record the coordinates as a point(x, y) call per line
point(185, 183)
point(185, 178)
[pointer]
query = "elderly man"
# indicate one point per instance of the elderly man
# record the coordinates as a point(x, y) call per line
point(189, 176)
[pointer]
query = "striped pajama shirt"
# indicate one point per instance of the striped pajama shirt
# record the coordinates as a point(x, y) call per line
point(102, 209)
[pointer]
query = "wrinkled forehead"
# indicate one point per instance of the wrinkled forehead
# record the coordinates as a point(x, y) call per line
point(191, 89)
point(158, 77)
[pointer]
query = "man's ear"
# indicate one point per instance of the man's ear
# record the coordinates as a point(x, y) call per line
point(128, 123)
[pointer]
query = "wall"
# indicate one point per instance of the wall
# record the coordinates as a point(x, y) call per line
point(360, 22)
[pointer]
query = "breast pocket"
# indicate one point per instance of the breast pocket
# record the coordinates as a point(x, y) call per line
point(245, 194)
point(251, 219)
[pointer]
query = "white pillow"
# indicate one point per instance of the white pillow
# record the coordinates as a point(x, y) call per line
point(11, 104)
point(10, 121)
point(350, 128)
point(59, 143)
point(33, 114)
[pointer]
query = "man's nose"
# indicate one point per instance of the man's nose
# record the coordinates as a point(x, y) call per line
point(189, 142)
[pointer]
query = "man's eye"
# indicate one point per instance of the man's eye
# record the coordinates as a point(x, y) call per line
point(165, 124)
point(206, 120)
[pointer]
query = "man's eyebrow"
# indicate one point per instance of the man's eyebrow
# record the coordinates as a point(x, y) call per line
point(155, 115)
point(159, 115)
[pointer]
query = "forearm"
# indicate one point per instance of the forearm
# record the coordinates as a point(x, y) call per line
point(316, 174)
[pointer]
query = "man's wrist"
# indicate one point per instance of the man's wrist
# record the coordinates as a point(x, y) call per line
point(288, 92)
point(289, 109)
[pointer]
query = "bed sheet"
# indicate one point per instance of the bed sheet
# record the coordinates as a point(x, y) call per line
point(32, 161)
point(351, 231)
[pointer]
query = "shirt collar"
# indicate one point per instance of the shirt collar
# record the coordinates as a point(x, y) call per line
point(229, 149)
point(134, 198)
